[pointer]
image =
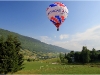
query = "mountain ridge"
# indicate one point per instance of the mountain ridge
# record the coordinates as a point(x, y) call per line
point(33, 44)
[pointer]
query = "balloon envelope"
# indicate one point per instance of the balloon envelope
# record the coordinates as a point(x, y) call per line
point(57, 13)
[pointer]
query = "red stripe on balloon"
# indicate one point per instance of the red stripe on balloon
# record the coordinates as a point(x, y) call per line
point(60, 4)
point(47, 9)
point(54, 19)
point(62, 18)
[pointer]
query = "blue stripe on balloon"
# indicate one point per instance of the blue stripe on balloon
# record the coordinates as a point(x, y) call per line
point(52, 5)
point(58, 18)
point(52, 21)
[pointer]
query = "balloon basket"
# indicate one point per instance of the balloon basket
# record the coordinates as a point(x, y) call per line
point(57, 29)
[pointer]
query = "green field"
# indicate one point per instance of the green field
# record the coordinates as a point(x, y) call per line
point(48, 68)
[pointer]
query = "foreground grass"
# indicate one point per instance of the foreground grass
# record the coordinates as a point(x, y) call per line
point(38, 67)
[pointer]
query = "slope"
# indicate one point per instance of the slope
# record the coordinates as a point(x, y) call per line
point(33, 44)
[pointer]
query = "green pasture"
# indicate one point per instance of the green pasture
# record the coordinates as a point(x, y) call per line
point(40, 67)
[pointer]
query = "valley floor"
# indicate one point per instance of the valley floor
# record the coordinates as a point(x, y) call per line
point(39, 67)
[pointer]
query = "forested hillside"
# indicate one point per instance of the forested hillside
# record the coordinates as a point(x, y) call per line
point(33, 44)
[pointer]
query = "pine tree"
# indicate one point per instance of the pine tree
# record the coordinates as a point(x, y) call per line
point(93, 55)
point(10, 53)
point(85, 55)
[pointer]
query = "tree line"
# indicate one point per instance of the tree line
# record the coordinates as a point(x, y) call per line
point(84, 56)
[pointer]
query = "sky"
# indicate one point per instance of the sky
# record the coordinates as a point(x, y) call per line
point(81, 28)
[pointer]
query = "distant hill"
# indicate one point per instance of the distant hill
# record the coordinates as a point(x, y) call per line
point(33, 44)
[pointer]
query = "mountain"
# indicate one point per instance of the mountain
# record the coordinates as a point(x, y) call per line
point(33, 44)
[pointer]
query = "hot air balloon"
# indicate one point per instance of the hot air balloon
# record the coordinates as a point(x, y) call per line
point(57, 13)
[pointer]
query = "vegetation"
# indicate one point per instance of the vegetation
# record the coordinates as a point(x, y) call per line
point(83, 62)
point(63, 59)
point(85, 56)
point(10, 58)
point(41, 58)
point(40, 67)
point(33, 44)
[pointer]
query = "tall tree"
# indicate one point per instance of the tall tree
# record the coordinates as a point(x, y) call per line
point(69, 58)
point(11, 59)
point(72, 53)
point(85, 55)
point(77, 57)
point(61, 57)
point(65, 55)
point(3, 57)
point(93, 55)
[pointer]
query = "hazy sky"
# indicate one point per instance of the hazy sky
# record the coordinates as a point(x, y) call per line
point(82, 27)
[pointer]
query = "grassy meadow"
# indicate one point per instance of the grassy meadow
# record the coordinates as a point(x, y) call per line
point(43, 67)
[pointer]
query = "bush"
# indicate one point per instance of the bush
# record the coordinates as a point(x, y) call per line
point(65, 61)
point(29, 60)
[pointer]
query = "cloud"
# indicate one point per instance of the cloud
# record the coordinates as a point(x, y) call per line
point(54, 36)
point(46, 39)
point(89, 34)
point(90, 38)
point(63, 36)
point(68, 45)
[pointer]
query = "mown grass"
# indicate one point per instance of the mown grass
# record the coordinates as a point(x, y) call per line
point(48, 68)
